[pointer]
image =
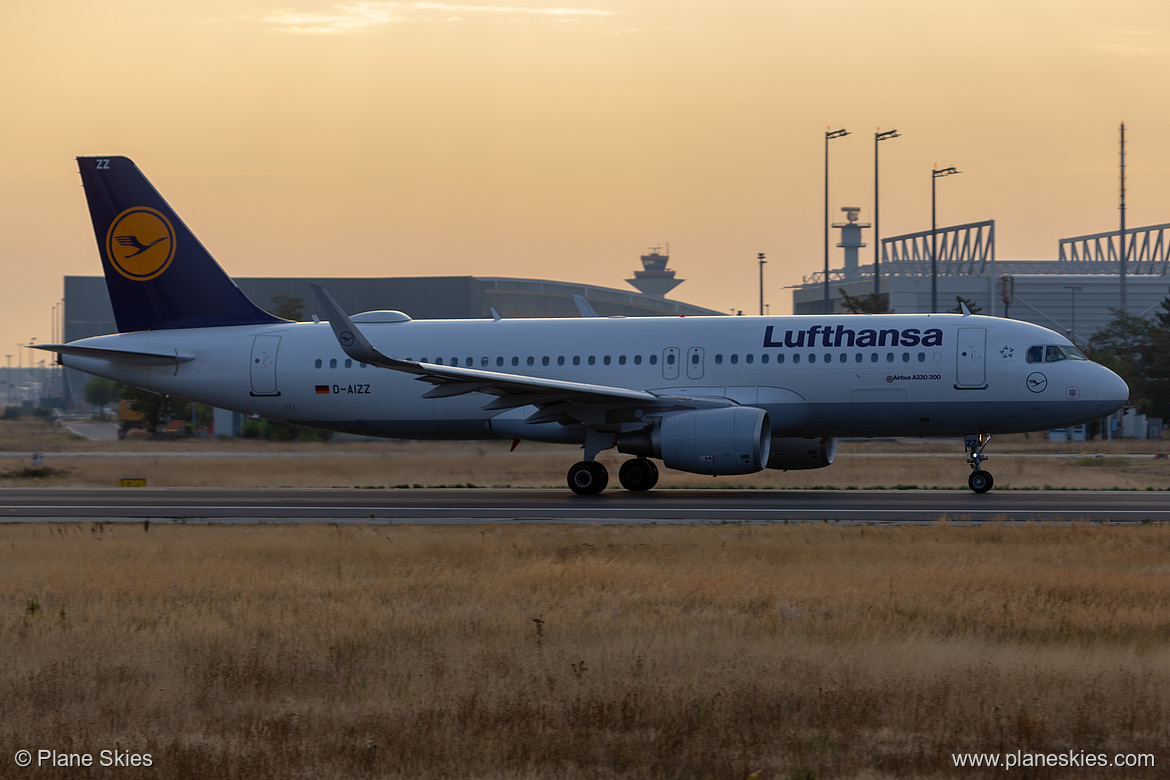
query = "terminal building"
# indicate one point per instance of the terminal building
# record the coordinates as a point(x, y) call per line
point(1075, 294)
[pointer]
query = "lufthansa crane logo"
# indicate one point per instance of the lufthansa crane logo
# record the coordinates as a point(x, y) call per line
point(140, 243)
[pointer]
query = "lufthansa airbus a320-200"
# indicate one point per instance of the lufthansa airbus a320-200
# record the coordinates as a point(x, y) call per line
point(707, 395)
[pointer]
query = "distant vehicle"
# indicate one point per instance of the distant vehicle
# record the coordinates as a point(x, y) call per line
point(706, 395)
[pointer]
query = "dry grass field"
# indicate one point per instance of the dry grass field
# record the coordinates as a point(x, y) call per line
point(529, 652)
point(860, 464)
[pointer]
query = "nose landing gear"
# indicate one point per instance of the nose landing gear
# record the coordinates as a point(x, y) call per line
point(980, 481)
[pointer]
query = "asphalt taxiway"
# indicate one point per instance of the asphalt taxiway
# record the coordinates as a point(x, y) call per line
point(471, 506)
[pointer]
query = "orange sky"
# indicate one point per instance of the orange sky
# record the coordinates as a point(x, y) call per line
point(561, 139)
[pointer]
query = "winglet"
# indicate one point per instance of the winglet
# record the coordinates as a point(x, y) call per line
point(583, 307)
point(353, 342)
point(966, 311)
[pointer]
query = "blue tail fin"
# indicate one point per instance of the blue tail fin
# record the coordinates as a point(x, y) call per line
point(157, 273)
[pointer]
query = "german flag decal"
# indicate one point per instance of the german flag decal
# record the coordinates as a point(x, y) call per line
point(322, 389)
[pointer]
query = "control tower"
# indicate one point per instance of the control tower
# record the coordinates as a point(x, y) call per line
point(655, 278)
point(851, 238)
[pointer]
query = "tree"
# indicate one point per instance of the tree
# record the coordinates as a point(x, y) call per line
point(154, 407)
point(100, 391)
point(1125, 345)
point(289, 307)
point(869, 303)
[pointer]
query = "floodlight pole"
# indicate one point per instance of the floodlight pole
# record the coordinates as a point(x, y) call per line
point(829, 135)
point(935, 175)
point(877, 277)
point(763, 262)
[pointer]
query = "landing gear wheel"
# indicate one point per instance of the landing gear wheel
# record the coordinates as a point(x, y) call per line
point(588, 478)
point(980, 481)
point(638, 474)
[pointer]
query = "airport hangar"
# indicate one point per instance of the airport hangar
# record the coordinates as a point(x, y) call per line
point(87, 310)
point(1076, 294)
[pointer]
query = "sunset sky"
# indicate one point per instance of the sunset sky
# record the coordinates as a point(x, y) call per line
point(559, 140)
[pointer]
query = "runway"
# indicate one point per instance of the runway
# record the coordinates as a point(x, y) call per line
point(472, 506)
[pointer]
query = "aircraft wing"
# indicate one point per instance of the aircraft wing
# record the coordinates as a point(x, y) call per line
point(556, 399)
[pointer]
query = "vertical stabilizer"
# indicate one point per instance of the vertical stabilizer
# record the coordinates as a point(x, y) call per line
point(158, 274)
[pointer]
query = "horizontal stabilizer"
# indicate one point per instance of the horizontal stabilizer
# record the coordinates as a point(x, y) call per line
point(118, 355)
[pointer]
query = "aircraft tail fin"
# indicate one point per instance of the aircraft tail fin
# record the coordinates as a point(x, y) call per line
point(157, 273)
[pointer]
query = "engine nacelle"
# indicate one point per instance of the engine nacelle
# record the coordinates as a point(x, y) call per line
point(735, 440)
point(792, 454)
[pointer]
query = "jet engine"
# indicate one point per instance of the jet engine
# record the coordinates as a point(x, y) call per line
point(734, 440)
point(795, 454)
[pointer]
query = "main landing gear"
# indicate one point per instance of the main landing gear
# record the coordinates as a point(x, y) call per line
point(980, 481)
point(588, 477)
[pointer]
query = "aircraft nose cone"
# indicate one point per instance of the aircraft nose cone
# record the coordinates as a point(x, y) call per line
point(1112, 389)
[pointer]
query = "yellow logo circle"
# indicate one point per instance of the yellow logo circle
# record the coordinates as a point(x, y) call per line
point(140, 243)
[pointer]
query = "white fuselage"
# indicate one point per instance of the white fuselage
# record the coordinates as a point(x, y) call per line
point(851, 375)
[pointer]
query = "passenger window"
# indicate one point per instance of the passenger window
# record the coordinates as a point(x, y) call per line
point(780, 357)
point(348, 363)
point(670, 359)
point(637, 360)
point(844, 357)
point(606, 360)
point(905, 357)
point(748, 358)
point(469, 362)
point(531, 360)
point(873, 357)
point(560, 360)
point(796, 358)
point(483, 361)
point(921, 357)
point(500, 361)
point(1035, 354)
point(734, 359)
point(333, 362)
point(544, 360)
point(812, 358)
point(621, 360)
point(889, 357)
point(857, 358)
point(317, 364)
point(764, 358)
point(653, 360)
point(592, 360)
point(515, 360)
point(438, 361)
point(828, 358)
point(576, 360)
point(719, 360)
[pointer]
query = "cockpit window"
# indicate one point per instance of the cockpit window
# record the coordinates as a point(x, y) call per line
point(1053, 353)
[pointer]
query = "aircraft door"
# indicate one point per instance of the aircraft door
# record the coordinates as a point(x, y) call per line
point(971, 370)
point(695, 363)
point(670, 363)
point(263, 365)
